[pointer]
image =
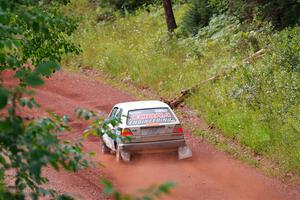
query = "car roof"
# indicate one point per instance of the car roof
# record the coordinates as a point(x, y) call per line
point(134, 105)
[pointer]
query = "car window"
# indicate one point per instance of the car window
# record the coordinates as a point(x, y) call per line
point(113, 113)
point(151, 115)
point(119, 113)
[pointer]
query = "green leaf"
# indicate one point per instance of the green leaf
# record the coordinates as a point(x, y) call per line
point(35, 26)
point(12, 62)
point(47, 68)
point(128, 138)
point(146, 198)
point(2, 161)
point(108, 187)
point(79, 112)
point(64, 197)
point(87, 116)
point(3, 98)
point(34, 80)
point(21, 73)
point(166, 187)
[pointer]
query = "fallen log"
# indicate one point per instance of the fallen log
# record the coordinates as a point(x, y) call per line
point(184, 94)
point(255, 56)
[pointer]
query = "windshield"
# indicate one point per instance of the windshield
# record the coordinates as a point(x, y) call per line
point(149, 116)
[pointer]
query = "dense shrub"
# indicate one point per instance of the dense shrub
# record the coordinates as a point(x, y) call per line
point(33, 39)
point(282, 13)
point(234, 36)
point(196, 17)
point(242, 9)
point(126, 5)
point(270, 88)
point(275, 78)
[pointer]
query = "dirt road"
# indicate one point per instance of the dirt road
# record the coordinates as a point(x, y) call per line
point(210, 174)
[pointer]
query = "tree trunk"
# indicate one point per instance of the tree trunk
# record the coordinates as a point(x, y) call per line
point(171, 23)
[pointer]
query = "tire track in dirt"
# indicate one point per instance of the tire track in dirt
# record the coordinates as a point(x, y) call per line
point(210, 174)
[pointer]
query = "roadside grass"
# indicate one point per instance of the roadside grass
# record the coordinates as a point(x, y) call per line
point(137, 49)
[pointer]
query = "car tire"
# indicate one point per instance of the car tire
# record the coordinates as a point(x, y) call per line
point(123, 156)
point(104, 148)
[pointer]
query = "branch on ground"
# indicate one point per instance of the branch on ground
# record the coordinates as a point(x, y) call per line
point(184, 94)
point(257, 55)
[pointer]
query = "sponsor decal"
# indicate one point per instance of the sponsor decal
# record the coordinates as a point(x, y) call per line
point(149, 116)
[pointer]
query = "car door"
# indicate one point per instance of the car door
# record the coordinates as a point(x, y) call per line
point(110, 142)
point(118, 115)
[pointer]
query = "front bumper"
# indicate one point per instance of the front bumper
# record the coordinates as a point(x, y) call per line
point(157, 145)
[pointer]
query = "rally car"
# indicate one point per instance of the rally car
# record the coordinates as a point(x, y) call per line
point(148, 125)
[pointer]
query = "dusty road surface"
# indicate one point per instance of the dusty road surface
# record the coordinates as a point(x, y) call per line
point(209, 175)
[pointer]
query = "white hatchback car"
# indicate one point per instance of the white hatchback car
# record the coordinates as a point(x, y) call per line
point(151, 125)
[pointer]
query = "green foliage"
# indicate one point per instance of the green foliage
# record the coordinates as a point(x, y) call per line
point(272, 88)
point(33, 39)
point(153, 192)
point(196, 17)
point(34, 35)
point(234, 35)
point(98, 126)
point(282, 13)
point(278, 79)
point(64, 197)
point(29, 146)
point(47, 36)
point(126, 5)
point(242, 9)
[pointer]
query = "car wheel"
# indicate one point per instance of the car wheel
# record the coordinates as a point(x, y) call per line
point(122, 155)
point(104, 148)
point(125, 155)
